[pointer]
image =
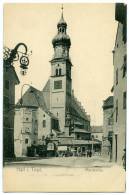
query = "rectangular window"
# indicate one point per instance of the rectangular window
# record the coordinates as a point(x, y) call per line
point(124, 66)
point(116, 110)
point(117, 76)
point(44, 123)
point(55, 124)
point(6, 84)
point(124, 100)
point(27, 130)
point(58, 84)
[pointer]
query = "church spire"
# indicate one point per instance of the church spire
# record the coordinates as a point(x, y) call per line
point(62, 22)
point(62, 10)
point(61, 38)
point(62, 16)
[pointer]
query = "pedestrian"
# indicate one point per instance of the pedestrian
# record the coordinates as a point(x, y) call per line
point(124, 159)
point(87, 153)
point(90, 153)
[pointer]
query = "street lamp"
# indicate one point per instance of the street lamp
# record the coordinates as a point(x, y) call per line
point(31, 91)
point(11, 55)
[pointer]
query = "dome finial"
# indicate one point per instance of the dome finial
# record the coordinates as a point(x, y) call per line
point(62, 7)
point(62, 21)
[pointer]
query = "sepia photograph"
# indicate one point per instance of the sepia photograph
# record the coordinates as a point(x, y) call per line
point(64, 97)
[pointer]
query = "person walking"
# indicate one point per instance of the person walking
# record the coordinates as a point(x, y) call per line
point(124, 159)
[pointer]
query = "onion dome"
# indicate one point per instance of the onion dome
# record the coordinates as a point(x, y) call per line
point(61, 38)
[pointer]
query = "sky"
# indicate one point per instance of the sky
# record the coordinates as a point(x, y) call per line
point(92, 29)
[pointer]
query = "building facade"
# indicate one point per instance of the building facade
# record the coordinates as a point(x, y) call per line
point(9, 82)
point(33, 123)
point(97, 132)
point(97, 138)
point(108, 111)
point(120, 79)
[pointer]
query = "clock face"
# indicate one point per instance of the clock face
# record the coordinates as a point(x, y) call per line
point(58, 84)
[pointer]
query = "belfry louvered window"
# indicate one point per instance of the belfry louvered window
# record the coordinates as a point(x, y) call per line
point(60, 72)
point(56, 72)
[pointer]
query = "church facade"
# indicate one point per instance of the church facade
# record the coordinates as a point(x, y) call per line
point(57, 99)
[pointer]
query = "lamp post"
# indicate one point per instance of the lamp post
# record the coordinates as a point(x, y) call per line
point(21, 100)
point(11, 55)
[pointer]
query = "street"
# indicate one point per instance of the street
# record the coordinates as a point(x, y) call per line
point(81, 162)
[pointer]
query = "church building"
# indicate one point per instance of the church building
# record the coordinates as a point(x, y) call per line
point(72, 122)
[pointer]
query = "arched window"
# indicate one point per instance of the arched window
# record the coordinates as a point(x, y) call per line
point(60, 71)
point(56, 72)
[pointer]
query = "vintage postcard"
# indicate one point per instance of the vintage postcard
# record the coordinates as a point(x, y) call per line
point(64, 97)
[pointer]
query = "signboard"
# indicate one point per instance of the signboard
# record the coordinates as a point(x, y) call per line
point(73, 150)
point(62, 148)
point(50, 146)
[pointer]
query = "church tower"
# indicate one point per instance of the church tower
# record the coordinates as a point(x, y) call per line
point(60, 80)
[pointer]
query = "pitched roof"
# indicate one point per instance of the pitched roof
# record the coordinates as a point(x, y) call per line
point(108, 103)
point(34, 97)
point(77, 109)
